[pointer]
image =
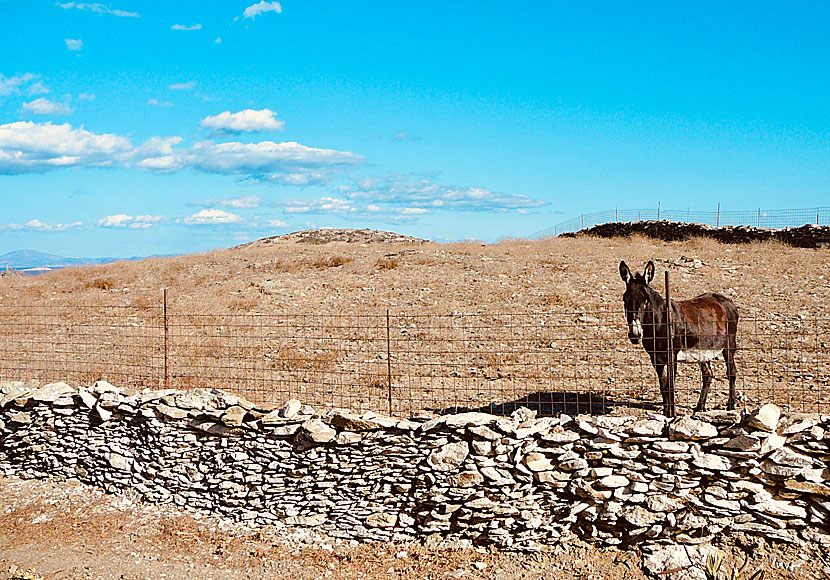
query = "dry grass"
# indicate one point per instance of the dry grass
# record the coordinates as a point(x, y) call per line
point(471, 323)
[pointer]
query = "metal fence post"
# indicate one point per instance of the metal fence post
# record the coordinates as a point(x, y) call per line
point(658, 211)
point(389, 361)
point(717, 223)
point(166, 344)
point(759, 218)
point(670, 349)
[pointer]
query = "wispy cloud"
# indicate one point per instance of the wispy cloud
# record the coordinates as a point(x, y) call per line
point(74, 43)
point(12, 85)
point(37, 88)
point(245, 201)
point(247, 121)
point(187, 86)
point(97, 9)
point(86, 97)
point(343, 207)
point(43, 106)
point(157, 103)
point(260, 8)
point(184, 27)
point(127, 221)
point(286, 163)
point(426, 192)
point(212, 217)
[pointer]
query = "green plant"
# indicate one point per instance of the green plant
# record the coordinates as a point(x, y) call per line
point(712, 570)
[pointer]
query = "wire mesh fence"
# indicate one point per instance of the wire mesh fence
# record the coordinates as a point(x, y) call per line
point(759, 218)
point(400, 363)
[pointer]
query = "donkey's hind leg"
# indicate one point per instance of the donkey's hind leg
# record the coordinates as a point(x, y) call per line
point(706, 371)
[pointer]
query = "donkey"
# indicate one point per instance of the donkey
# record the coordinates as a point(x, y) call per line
point(703, 329)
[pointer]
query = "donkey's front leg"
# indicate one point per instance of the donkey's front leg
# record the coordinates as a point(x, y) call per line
point(665, 390)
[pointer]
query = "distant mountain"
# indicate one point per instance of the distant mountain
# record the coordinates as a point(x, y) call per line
point(26, 260)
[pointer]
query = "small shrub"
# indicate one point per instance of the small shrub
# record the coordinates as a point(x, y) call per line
point(103, 283)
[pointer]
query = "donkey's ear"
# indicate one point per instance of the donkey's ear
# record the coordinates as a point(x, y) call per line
point(648, 273)
point(625, 273)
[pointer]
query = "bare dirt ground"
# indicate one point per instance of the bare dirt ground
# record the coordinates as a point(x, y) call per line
point(66, 530)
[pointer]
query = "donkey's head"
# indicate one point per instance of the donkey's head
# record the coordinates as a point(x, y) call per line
point(636, 298)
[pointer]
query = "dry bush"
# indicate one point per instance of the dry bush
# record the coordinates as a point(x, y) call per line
point(386, 263)
point(331, 262)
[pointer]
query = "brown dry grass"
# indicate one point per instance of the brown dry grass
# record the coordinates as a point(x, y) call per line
point(471, 323)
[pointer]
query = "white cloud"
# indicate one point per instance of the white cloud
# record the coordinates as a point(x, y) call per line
point(212, 216)
point(74, 43)
point(43, 106)
point(97, 9)
point(86, 97)
point(157, 103)
point(127, 221)
point(188, 86)
point(27, 147)
point(276, 224)
point(115, 221)
point(37, 147)
point(247, 121)
point(245, 201)
point(39, 226)
point(260, 8)
point(414, 210)
point(157, 154)
point(183, 27)
point(12, 85)
point(218, 40)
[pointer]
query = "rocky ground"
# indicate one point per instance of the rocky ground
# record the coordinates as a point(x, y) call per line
point(70, 531)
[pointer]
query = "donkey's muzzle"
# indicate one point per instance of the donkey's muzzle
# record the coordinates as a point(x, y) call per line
point(633, 338)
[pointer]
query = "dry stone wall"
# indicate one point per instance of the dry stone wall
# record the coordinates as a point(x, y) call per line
point(516, 482)
point(806, 236)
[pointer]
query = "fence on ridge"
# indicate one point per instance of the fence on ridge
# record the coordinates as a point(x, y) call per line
point(760, 218)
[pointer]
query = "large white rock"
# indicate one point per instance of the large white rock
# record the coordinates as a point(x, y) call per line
point(448, 457)
point(688, 428)
point(765, 418)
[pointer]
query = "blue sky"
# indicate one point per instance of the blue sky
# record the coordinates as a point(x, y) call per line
point(136, 128)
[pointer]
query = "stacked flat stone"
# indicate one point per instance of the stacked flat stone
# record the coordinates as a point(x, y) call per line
point(806, 236)
point(517, 482)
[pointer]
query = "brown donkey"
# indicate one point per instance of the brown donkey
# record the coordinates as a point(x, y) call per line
point(703, 329)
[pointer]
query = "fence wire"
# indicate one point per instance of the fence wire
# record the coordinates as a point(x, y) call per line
point(399, 363)
point(759, 218)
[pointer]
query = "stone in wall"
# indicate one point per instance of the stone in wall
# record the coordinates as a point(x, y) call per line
point(518, 482)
